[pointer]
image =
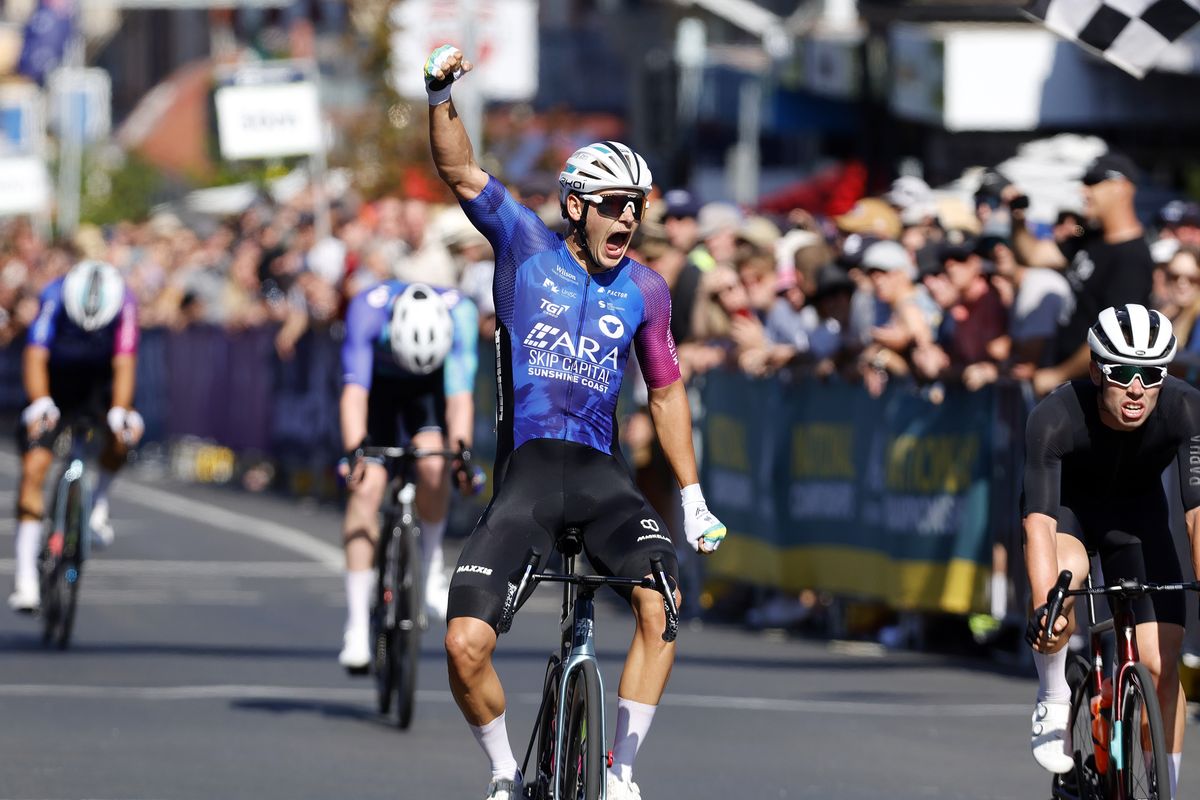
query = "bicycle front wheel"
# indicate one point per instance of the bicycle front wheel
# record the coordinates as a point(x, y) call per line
point(1144, 772)
point(583, 740)
point(1086, 781)
point(407, 652)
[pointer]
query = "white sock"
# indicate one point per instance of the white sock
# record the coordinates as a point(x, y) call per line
point(27, 543)
point(431, 541)
point(1052, 677)
point(999, 595)
point(493, 738)
point(633, 722)
point(359, 584)
point(1173, 769)
point(103, 482)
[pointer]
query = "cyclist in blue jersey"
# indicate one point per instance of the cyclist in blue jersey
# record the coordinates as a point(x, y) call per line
point(80, 359)
point(408, 373)
point(568, 310)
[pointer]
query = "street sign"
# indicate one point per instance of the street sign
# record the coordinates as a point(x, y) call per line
point(83, 96)
point(498, 36)
point(21, 119)
point(24, 185)
point(269, 120)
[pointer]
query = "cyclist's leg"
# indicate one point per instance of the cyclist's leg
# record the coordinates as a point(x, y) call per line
point(624, 536)
point(525, 512)
point(424, 418)
point(97, 391)
point(36, 459)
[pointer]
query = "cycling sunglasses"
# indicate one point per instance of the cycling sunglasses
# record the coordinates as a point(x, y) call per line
point(614, 205)
point(1123, 374)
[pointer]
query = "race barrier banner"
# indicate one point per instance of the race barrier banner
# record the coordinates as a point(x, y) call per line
point(824, 487)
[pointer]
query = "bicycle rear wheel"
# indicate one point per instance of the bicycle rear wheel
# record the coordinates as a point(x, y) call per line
point(383, 619)
point(541, 778)
point(62, 560)
point(583, 743)
point(1086, 781)
point(1145, 774)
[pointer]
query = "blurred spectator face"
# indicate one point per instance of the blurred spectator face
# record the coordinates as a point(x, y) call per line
point(963, 273)
point(718, 225)
point(1005, 260)
point(1183, 279)
point(940, 289)
point(1102, 200)
point(682, 232)
point(728, 292)
point(757, 274)
point(888, 285)
point(414, 222)
point(389, 225)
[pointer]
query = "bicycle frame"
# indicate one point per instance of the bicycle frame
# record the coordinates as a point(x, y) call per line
point(578, 626)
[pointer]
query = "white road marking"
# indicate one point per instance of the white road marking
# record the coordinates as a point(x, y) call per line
point(366, 695)
point(140, 568)
point(284, 536)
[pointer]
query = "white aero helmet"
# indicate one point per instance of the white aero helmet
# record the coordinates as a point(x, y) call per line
point(1132, 334)
point(93, 293)
point(600, 166)
point(421, 330)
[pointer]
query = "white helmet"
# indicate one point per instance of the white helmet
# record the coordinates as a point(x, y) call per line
point(421, 330)
point(93, 293)
point(1132, 334)
point(603, 165)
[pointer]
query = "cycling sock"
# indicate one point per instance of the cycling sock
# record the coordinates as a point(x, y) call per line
point(1173, 768)
point(633, 722)
point(27, 542)
point(431, 540)
point(1052, 677)
point(359, 583)
point(493, 738)
point(999, 595)
point(103, 482)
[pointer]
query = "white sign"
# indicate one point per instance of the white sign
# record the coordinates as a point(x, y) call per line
point(81, 98)
point(268, 121)
point(24, 185)
point(498, 36)
point(21, 119)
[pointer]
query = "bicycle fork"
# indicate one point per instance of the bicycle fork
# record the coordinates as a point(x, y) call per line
point(582, 650)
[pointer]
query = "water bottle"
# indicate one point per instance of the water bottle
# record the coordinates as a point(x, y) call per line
point(1101, 714)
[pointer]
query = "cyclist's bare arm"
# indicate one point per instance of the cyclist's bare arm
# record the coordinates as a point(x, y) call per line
point(124, 380)
point(35, 371)
point(673, 423)
point(460, 419)
point(353, 408)
point(452, 152)
point(1041, 553)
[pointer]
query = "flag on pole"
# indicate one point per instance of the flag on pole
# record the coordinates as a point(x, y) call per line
point(47, 34)
point(1132, 34)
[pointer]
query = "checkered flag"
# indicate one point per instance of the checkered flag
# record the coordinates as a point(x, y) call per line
point(1130, 33)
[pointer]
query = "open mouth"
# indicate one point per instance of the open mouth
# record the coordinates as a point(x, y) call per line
point(615, 244)
point(1131, 412)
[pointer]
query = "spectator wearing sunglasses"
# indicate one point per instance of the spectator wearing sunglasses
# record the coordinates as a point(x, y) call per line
point(1095, 454)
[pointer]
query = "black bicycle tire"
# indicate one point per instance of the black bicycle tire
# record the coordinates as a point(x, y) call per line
point(51, 602)
point(583, 713)
point(539, 780)
point(74, 531)
point(1083, 782)
point(408, 643)
point(71, 592)
point(384, 635)
point(1139, 679)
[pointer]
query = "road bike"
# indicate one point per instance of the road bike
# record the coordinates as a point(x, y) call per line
point(570, 729)
point(67, 543)
point(398, 610)
point(1120, 751)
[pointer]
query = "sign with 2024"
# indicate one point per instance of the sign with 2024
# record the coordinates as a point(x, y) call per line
point(825, 487)
point(269, 120)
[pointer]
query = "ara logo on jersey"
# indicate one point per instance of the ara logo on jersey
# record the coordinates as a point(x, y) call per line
point(611, 326)
point(586, 349)
point(538, 337)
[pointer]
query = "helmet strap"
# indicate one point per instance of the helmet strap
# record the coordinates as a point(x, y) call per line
point(580, 228)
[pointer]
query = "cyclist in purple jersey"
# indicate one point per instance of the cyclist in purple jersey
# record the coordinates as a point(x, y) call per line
point(80, 359)
point(408, 377)
point(567, 310)
point(1095, 451)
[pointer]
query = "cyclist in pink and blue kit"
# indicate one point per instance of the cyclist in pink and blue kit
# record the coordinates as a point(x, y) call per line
point(568, 310)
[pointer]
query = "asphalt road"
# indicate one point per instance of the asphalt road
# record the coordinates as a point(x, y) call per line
point(204, 667)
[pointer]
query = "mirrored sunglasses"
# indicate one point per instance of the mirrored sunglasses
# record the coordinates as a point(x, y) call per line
point(1123, 374)
point(614, 205)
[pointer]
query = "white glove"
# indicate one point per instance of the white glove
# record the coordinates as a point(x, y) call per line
point(125, 423)
point(437, 88)
point(703, 531)
point(41, 409)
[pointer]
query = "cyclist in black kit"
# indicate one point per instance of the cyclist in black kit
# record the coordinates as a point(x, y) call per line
point(1095, 453)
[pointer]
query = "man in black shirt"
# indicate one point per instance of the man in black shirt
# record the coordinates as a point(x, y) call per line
point(1095, 451)
point(1108, 264)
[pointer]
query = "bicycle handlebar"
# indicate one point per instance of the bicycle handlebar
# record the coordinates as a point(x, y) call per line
point(1127, 587)
point(519, 593)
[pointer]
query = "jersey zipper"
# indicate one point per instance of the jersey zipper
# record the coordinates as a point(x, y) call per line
point(587, 283)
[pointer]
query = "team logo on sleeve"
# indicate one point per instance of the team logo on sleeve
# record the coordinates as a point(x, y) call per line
point(611, 326)
point(378, 297)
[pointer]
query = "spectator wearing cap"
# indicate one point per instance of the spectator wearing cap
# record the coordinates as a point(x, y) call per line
point(904, 313)
point(1041, 301)
point(1180, 220)
point(980, 318)
point(680, 219)
point(919, 214)
point(812, 327)
point(870, 216)
point(717, 226)
point(1108, 265)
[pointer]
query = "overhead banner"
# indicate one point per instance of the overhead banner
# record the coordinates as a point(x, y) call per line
point(499, 37)
point(269, 120)
point(24, 185)
point(828, 488)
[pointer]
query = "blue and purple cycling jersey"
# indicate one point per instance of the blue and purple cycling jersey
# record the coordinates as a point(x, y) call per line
point(367, 349)
point(563, 335)
point(70, 344)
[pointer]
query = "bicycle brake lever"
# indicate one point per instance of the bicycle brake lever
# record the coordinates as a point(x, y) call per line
point(514, 599)
point(664, 587)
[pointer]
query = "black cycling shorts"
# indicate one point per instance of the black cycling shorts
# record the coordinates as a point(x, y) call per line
point(398, 409)
point(550, 485)
point(1133, 540)
point(81, 392)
